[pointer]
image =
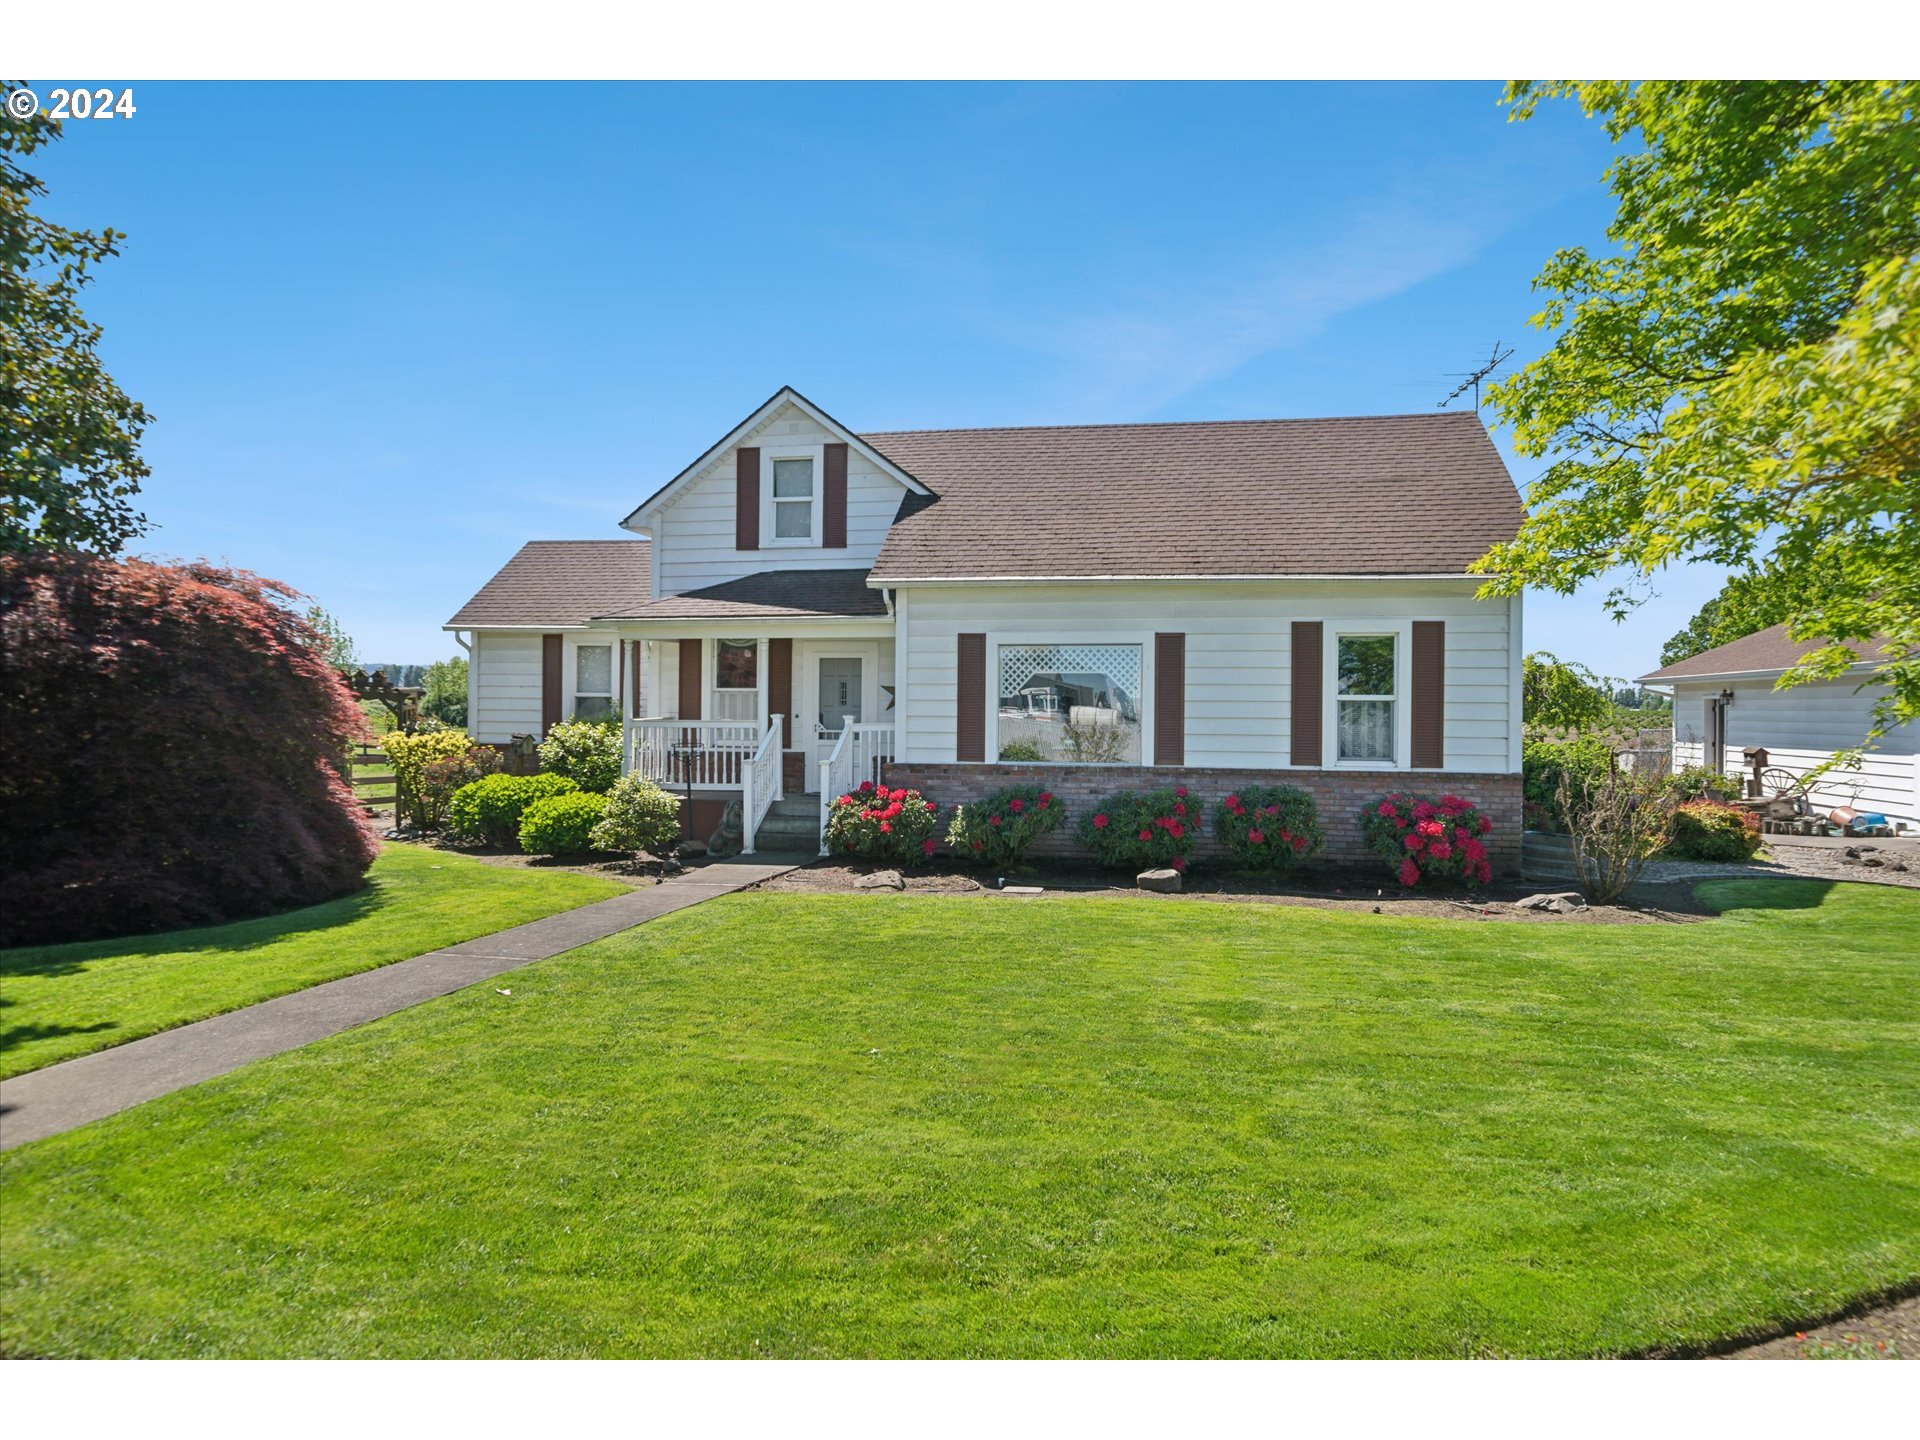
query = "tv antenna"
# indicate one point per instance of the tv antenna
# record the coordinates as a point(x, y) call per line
point(1470, 379)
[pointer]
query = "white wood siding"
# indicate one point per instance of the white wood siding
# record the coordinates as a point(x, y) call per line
point(1239, 655)
point(1801, 727)
point(506, 685)
point(693, 536)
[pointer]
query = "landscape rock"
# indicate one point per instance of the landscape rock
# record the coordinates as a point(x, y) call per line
point(881, 880)
point(690, 849)
point(1563, 902)
point(1161, 882)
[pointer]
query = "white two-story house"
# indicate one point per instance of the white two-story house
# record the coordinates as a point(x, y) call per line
point(1108, 606)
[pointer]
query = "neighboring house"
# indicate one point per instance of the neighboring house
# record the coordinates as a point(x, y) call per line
point(1724, 701)
point(1213, 603)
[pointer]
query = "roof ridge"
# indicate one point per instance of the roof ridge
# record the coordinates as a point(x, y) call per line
point(1170, 424)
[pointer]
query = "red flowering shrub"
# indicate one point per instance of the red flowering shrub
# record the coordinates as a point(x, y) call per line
point(875, 823)
point(1143, 829)
point(171, 742)
point(999, 829)
point(1422, 838)
point(1268, 827)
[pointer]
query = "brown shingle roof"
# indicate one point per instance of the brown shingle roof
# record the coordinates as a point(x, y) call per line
point(1372, 495)
point(769, 594)
point(1768, 649)
point(562, 582)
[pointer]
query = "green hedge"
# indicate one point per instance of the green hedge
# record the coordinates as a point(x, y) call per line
point(488, 811)
point(562, 824)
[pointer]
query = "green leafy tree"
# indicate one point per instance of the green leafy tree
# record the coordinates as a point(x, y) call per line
point(1560, 695)
point(446, 690)
point(70, 463)
point(1745, 605)
point(332, 638)
point(1738, 380)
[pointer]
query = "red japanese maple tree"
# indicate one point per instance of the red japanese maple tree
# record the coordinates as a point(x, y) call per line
point(170, 739)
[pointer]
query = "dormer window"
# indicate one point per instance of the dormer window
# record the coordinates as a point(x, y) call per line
point(794, 508)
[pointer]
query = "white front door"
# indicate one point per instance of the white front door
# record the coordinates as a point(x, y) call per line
point(839, 700)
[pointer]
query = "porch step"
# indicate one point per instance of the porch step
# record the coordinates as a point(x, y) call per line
point(799, 806)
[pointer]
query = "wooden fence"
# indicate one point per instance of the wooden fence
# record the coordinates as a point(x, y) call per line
point(374, 791)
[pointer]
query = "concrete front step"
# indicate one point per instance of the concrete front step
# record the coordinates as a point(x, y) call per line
point(772, 829)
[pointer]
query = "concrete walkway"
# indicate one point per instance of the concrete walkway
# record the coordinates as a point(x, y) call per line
point(74, 1092)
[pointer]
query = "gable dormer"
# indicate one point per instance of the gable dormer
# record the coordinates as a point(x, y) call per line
point(789, 488)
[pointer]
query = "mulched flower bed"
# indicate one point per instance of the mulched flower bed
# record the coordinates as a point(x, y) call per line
point(1357, 890)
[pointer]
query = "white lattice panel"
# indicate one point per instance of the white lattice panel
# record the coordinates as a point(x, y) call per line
point(1119, 663)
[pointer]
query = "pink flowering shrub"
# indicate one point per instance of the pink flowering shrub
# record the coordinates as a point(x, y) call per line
point(1423, 838)
point(1143, 829)
point(1268, 827)
point(875, 823)
point(999, 829)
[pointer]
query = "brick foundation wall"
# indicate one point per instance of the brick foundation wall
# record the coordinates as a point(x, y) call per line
point(1338, 794)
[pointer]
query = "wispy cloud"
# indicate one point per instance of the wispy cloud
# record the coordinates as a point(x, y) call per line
point(1135, 352)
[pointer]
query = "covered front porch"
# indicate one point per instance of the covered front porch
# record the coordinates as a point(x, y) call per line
point(729, 716)
point(759, 689)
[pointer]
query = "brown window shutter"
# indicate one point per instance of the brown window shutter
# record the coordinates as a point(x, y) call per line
point(1429, 694)
point(690, 658)
point(780, 687)
point(634, 697)
point(550, 697)
point(833, 494)
point(746, 498)
point(1309, 685)
point(970, 719)
point(1170, 699)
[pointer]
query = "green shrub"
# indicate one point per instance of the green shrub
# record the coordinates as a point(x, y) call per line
point(442, 778)
point(1269, 827)
point(1000, 829)
point(1021, 750)
point(561, 824)
point(1697, 782)
point(410, 755)
point(1422, 838)
point(1708, 830)
point(875, 823)
point(640, 816)
point(1585, 759)
point(587, 752)
point(488, 811)
point(1143, 829)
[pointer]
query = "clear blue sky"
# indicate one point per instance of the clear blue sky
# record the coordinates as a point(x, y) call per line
point(390, 332)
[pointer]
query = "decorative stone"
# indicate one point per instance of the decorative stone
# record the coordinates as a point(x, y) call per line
point(881, 880)
point(690, 849)
point(1560, 903)
point(1161, 882)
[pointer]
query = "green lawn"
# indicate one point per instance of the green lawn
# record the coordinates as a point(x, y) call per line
point(57, 1001)
point(781, 1125)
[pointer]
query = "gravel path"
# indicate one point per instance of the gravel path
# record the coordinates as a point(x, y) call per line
point(1832, 860)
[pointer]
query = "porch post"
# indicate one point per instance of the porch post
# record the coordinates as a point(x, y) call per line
point(763, 665)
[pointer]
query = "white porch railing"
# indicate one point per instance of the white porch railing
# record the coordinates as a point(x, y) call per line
point(702, 754)
point(760, 787)
point(857, 755)
point(709, 755)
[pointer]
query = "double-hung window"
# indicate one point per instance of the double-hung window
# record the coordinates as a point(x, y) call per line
point(736, 680)
point(793, 498)
point(592, 682)
point(1365, 667)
